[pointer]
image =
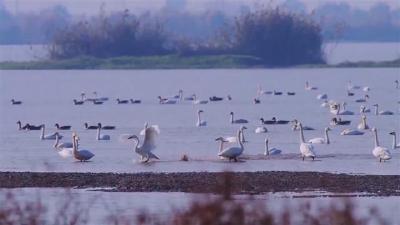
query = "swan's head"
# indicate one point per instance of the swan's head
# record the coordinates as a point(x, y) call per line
point(375, 105)
point(295, 121)
point(392, 133)
point(266, 140)
point(231, 113)
point(18, 122)
point(366, 96)
point(221, 139)
point(243, 128)
point(328, 129)
point(57, 125)
point(133, 137)
point(146, 125)
point(42, 126)
point(99, 125)
point(118, 99)
point(200, 111)
point(373, 129)
point(159, 97)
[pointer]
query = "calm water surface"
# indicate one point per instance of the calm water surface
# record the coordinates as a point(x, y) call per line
point(47, 99)
point(100, 205)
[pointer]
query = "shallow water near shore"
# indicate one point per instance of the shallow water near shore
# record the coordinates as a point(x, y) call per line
point(99, 206)
point(47, 99)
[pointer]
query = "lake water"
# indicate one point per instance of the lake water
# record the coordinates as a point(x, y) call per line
point(335, 53)
point(100, 205)
point(47, 99)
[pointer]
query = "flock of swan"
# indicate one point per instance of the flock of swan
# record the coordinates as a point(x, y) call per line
point(236, 143)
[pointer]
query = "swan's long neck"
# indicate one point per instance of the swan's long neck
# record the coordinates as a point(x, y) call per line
point(198, 118)
point(42, 133)
point(344, 106)
point(98, 134)
point(221, 146)
point(74, 145)
point(56, 142)
point(19, 126)
point(364, 122)
point(137, 141)
point(394, 144)
point(301, 133)
point(376, 109)
point(266, 151)
point(242, 135)
point(338, 109)
point(231, 117)
point(376, 138)
point(239, 139)
point(327, 141)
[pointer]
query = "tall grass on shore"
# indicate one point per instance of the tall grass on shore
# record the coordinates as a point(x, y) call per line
point(221, 209)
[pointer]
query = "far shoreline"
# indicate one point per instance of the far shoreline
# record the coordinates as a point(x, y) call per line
point(177, 62)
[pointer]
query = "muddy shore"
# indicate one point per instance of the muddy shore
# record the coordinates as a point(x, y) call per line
point(207, 182)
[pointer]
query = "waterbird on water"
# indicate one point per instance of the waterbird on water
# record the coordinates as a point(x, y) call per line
point(149, 143)
point(233, 152)
point(306, 149)
point(81, 155)
point(380, 152)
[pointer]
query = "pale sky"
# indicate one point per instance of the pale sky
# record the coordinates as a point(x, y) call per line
point(92, 6)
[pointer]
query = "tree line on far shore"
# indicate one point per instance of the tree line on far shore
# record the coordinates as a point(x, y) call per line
point(276, 36)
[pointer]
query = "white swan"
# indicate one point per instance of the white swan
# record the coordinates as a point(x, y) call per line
point(350, 86)
point(296, 126)
point(59, 145)
point(63, 149)
point(364, 99)
point(394, 143)
point(349, 131)
point(260, 91)
point(306, 149)
point(309, 88)
point(200, 123)
point(366, 88)
point(102, 137)
point(364, 109)
point(237, 120)
point(233, 139)
point(233, 152)
point(363, 124)
point(81, 155)
point(221, 145)
point(320, 140)
point(272, 151)
point(51, 136)
point(379, 152)
point(322, 96)
point(383, 112)
point(198, 101)
point(260, 130)
point(344, 111)
point(149, 143)
point(166, 100)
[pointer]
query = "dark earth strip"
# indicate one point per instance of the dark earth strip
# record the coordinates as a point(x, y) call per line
point(207, 182)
